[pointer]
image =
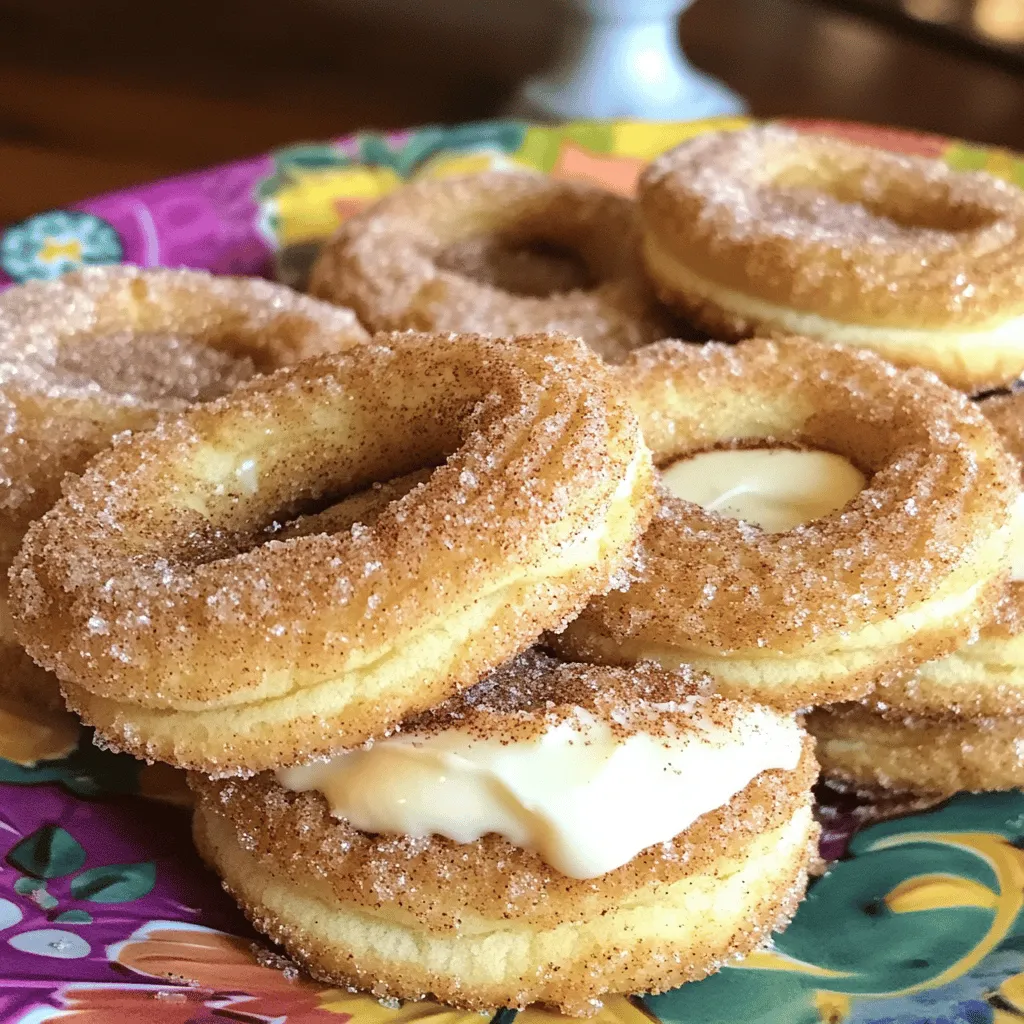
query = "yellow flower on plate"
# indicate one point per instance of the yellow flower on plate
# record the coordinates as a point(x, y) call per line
point(647, 139)
point(1011, 994)
point(832, 1007)
point(315, 202)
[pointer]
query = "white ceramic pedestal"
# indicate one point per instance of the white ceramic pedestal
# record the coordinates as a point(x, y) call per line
point(622, 59)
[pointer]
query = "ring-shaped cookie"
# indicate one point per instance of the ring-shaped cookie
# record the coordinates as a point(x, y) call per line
point(109, 349)
point(487, 923)
point(904, 572)
point(984, 678)
point(868, 751)
point(951, 724)
point(184, 632)
point(402, 263)
point(768, 230)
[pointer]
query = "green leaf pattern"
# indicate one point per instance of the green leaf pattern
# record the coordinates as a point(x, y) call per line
point(115, 883)
point(49, 852)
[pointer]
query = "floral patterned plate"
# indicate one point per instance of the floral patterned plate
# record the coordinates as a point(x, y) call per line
point(106, 913)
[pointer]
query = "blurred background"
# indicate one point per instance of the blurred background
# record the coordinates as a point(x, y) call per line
point(98, 95)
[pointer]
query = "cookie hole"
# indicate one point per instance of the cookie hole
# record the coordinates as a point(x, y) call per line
point(162, 369)
point(532, 268)
point(901, 200)
point(334, 513)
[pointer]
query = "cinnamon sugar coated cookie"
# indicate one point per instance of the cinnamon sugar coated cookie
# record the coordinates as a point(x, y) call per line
point(986, 676)
point(185, 631)
point(109, 349)
point(504, 648)
point(499, 253)
point(488, 921)
point(770, 230)
point(864, 749)
point(905, 570)
point(956, 722)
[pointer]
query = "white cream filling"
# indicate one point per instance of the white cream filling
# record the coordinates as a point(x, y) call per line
point(583, 798)
point(1006, 336)
point(774, 488)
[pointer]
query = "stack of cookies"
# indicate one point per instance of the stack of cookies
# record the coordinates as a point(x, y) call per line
point(487, 638)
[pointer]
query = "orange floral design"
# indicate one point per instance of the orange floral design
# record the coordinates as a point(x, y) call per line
point(108, 1004)
point(214, 977)
point(210, 977)
point(615, 173)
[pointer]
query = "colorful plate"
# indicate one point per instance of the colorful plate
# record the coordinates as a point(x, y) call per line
point(106, 914)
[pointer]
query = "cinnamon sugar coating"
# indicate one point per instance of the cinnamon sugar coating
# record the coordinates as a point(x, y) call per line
point(535, 692)
point(184, 634)
point(864, 748)
point(906, 571)
point(109, 349)
point(1006, 413)
point(528, 695)
point(498, 253)
point(985, 677)
point(486, 923)
point(763, 229)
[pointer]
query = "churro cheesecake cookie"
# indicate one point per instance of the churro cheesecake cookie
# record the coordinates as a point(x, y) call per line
point(867, 749)
point(827, 520)
point(556, 833)
point(499, 253)
point(768, 230)
point(189, 625)
point(954, 723)
point(110, 349)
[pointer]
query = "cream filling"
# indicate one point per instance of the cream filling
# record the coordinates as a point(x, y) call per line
point(583, 796)
point(1006, 336)
point(774, 488)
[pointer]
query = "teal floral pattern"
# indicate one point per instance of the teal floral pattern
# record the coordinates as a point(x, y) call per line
point(50, 244)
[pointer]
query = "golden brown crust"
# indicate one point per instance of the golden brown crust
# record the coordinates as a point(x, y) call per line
point(393, 262)
point(487, 924)
point(109, 349)
point(862, 747)
point(985, 677)
point(532, 693)
point(767, 230)
point(847, 231)
point(982, 679)
point(447, 885)
point(183, 635)
point(904, 572)
point(681, 933)
point(789, 682)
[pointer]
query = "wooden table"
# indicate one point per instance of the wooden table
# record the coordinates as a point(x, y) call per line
point(100, 95)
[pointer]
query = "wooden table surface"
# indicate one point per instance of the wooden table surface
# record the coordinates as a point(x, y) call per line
point(101, 95)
